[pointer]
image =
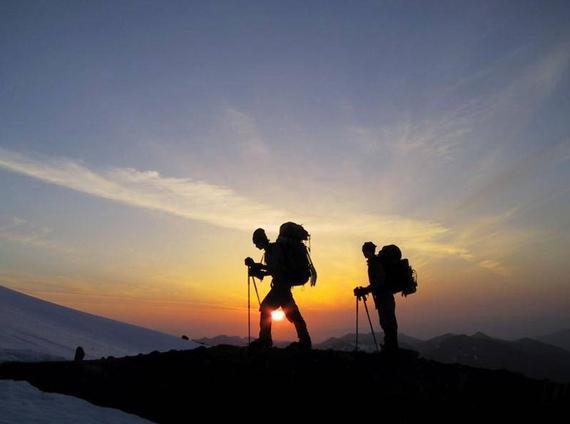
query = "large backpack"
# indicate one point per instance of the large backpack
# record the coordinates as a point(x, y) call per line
point(298, 263)
point(400, 276)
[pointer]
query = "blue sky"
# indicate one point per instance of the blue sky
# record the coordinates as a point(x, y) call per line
point(140, 142)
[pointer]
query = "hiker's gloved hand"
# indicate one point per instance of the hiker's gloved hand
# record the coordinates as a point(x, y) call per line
point(360, 291)
point(254, 269)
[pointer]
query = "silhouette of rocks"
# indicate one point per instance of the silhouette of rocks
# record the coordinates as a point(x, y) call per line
point(163, 387)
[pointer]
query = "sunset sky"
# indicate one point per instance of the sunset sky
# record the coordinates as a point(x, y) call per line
point(141, 143)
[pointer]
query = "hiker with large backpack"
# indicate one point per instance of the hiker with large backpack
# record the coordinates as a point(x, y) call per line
point(388, 273)
point(289, 264)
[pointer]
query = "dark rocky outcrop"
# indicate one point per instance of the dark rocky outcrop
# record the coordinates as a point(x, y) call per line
point(166, 387)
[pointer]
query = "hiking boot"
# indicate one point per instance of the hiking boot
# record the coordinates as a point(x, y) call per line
point(300, 346)
point(389, 350)
point(260, 344)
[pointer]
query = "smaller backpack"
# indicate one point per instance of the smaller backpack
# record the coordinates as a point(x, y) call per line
point(300, 268)
point(400, 276)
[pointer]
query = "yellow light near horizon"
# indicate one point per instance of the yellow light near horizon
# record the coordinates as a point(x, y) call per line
point(278, 315)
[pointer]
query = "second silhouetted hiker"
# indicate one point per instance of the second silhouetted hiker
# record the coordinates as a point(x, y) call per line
point(382, 294)
point(281, 262)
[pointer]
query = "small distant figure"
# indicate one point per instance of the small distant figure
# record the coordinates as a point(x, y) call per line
point(79, 354)
point(381, 292)
point(185, 337)
point(275, 264)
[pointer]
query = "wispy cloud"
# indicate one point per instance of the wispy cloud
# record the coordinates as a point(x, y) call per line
point(547, 73)
point(442, 133)
point(246, 134)
point(495, 267)
point(526, 89)
point(192, 199)
point(18, 230)
point(437, 137)
point(517, 174)
point(221, 206)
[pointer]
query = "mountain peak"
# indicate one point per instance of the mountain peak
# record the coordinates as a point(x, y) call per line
point(481, 335)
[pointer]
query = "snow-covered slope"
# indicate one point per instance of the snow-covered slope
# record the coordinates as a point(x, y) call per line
point(20, 402)
point(33, 329)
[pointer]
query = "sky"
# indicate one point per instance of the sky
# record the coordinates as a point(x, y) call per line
point(142, 142)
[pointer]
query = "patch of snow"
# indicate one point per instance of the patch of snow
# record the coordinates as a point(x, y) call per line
point(32, 329)
point(20, 402)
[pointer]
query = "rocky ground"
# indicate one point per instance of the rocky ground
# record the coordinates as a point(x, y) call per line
point(174, 386)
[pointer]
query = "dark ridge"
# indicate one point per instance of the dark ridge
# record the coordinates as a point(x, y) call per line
point(173, 386)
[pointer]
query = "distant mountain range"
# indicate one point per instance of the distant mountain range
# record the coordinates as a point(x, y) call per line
point(560, 339)
point(532, 357)
point(365, 342)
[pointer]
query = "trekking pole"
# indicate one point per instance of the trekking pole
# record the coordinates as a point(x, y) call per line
point(256, 292)
point(356, 344)
point(370, 322)
point(248, 309)
point(250, 278)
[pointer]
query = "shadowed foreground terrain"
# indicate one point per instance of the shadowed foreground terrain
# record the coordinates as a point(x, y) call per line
point(173, 386)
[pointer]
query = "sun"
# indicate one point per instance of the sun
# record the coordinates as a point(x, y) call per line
point(278, 315)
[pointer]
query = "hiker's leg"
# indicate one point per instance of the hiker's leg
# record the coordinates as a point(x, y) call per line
point(265, 324)
point(387, 314)
point(294, 315)
point(268, 305)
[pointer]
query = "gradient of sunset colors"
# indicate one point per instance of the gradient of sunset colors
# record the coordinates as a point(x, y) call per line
point(142, 142)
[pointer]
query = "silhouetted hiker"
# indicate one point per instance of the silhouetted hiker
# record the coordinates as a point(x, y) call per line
point(382, 294)
point(79, 354)
point(280, 294)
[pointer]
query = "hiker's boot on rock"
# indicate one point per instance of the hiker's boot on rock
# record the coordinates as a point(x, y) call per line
point(301, 345)
point(260, 344)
